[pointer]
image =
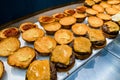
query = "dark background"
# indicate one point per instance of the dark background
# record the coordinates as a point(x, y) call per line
point(13, 9)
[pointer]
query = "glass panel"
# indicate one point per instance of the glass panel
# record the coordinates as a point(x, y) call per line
point(103, 67)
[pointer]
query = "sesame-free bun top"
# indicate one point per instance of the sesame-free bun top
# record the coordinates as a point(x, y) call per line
point(104, 16)
point(22, 57)
point(66, 21)
point(39, 70)
point(54, 26)
point(113, 1)
point(82, 44)
point(95, 35)
point(9, 45)
point(105, 4)
point(112, 26)
point(63, 36)
point(79, 15)
point(95, 22)
point(89, 3)
point(98, 8)
point(111, 11)
point(117, 6)
point(79, 29)
point(32, 34)
point(62, 54)
point(45, 45)
point(91, 11)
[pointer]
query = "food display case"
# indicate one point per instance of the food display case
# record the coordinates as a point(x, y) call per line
point(103, 60)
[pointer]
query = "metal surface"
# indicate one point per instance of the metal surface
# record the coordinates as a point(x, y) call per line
point(114, 47)
point(104, 66)
point(13, 73)
point(96, 68)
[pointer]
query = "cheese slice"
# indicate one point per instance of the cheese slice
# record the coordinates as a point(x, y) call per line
point(96, 35)
point(82, 44)
point(112, 26)
point(39, 70)
point(62, 54)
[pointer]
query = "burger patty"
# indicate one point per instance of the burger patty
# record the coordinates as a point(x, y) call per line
point(81, 57)
point(98, 43)
point(83, 53)
point(63, 66)
point(53, 72)
point(106, 30)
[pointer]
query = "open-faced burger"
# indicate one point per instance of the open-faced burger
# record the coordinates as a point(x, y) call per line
point(82, 47)
point(41, 70)
point(63, 57)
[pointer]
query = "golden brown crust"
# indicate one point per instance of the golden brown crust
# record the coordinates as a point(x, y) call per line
point(95, 22)
point(97, 1)
point(45, 45)
point(103, 16)
point(80, 29)
point(112, 26)
point(66, 22)
point(98, 8)
point(95, 35)
point(113, 1)
point(82, 48)
point(58, 16)
point(32, 34)
point(69, 12)
point(22, 57)
point(91, 12)
point(63, 36)
point(97, 38)
point(111, 11)
point(45, 20)
point(1, 69)
point(82, 45)
point(80, 16)
point(39, 70)
point(110, 29)
point(105, 4)
point(9, 32)
point(117, 6)
point(9, 45)
point(59, 54)
point(27, 25)
point(81, 9)
point(62, 61)
point(89, 3)
point(52, 27)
